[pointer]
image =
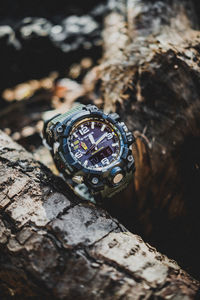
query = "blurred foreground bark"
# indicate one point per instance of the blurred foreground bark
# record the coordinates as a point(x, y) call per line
point(150, 75)
point(51, 245)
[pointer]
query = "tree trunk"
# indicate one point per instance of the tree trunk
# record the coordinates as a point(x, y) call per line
point(150, 75)
point(53, 245)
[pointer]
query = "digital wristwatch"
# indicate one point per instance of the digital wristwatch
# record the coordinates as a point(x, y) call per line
point(92, 150)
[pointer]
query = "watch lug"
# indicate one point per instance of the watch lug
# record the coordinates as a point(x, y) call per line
point(44, 141)
point(114, 116)
point(77, 179)
point(92, 108)
point(56, 145)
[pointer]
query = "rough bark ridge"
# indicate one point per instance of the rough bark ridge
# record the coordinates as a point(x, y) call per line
point(150, 75)
point(51, 245)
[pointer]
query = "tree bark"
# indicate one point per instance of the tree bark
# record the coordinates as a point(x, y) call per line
point(150, 75)
point(53, 245)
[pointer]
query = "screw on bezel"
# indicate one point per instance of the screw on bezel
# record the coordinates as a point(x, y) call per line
point(130, 158)
point(95, 180)
point(60, 129)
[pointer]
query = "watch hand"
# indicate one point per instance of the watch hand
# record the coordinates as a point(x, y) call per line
point(96, 143)
point(101, 138)
point(91, 148)
point(91, 138)
point(92, 141)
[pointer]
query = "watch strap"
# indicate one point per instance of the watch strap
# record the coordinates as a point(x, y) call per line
point(50, 124)
point(67, 115)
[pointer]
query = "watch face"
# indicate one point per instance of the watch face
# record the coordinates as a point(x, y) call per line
point(95, 143)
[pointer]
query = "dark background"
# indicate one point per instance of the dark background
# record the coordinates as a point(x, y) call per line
point(30, 47)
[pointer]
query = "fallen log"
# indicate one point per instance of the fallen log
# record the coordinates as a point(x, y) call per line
point(150, 75)
point(53, 245)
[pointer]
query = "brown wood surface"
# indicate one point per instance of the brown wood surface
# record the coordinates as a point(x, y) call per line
point(150, 75)
point(54, 246)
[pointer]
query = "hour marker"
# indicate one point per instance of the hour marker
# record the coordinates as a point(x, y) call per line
point(75, 135)
point(92, 125)
point(109, 135)
point(105, 161)
point(78, 155)
point(114, 154)
point(103, 127)
point(83, 130)
point(115, 144)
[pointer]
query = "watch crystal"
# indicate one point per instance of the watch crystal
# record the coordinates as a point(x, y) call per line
point(94, 143)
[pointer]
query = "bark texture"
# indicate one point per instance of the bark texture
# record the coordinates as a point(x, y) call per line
point(150, 75)
point(52, 245)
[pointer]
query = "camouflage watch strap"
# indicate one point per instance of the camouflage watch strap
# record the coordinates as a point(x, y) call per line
point(49, 123)
point(68, 114)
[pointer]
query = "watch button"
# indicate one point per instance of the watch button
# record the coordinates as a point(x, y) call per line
point(125, 128)
point(118, 178)
point(130, 138)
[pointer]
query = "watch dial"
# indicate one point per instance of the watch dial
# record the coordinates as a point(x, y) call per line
point(94, 143)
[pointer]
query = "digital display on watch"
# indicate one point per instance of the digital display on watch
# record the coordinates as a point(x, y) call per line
point(97, 157)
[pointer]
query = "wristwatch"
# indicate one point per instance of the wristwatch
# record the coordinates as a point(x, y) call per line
point(92, 151)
